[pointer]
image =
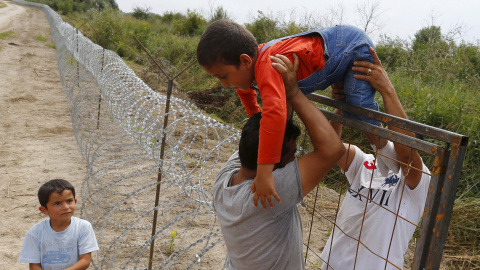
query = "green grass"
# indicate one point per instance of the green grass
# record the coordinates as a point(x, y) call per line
point(7, 34)
point(41, 38)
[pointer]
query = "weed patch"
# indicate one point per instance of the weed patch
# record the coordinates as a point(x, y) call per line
point(7, 34)
point(41, 38)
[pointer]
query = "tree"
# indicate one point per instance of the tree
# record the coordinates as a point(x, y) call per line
point(219, 14)
point(192, 25)
point(141, 13)
point(427, 36)
point(369, 16)
point(264, 28)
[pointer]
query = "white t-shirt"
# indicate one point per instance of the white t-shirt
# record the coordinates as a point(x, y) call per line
point(58, 250)
point(379, 222)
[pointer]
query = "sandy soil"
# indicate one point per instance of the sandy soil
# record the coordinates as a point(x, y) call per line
point(36, 139)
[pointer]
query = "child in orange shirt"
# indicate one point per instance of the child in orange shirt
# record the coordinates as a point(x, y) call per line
point(229, 52)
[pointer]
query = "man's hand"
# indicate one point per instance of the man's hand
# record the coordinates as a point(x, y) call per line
point(375, 74)
point(264, 186)
point(289, 73)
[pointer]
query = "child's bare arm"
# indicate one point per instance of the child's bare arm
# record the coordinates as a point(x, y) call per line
point(35, 266)
point(264, 186)
point(83, 262)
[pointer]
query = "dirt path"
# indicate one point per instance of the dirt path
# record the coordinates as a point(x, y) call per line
point(36, 139)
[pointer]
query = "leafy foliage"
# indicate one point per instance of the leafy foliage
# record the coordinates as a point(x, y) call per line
point(67, 7)
point(193, 25)
point(264, 28)
point(219, 14)
point(141, 13)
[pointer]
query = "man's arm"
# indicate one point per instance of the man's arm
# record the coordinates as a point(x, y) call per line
point(347, 158)
point(327, 147)
point(378, 78)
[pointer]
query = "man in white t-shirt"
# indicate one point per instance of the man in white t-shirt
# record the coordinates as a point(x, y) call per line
point(368, 233)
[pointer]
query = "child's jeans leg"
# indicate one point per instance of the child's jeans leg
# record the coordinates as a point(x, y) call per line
point(359, 92)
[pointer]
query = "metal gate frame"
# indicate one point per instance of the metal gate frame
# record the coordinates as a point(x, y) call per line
point(446, 171)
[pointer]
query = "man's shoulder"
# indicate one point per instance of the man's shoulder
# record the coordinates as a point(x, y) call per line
point(232, 164)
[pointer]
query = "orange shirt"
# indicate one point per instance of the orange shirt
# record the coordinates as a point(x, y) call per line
point(272, 90)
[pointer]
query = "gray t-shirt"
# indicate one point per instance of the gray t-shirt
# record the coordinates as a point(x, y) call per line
point(258, 238)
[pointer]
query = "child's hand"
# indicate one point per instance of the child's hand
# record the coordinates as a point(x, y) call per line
point(264, 186)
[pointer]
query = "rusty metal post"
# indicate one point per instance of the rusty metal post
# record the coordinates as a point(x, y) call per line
point(159, 177)
point(441, 197)
point(162, 149)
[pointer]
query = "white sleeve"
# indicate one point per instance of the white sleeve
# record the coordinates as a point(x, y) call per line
point(419, 194)
point(356, 164)
point(87, 241)
point(30, 252)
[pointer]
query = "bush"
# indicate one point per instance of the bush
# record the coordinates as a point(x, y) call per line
point(141, 13)
point(108, 28)
point(192, 25)
point(264, 28)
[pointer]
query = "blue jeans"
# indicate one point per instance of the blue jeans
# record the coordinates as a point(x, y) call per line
point(343, 44)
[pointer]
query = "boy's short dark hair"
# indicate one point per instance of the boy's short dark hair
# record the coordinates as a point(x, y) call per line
point(248, 146)
point(223, 42)
point(55, 185)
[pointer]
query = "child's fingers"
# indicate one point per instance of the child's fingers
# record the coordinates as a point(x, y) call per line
point(275, 195)
point(255, 200)
point(270, 202)
point(264, 203)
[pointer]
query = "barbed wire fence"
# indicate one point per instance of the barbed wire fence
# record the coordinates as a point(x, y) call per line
point(118, 124)
point(142, 146)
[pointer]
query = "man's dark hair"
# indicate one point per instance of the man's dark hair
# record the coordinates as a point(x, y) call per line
point(248, 146)
point(223, 42)
point(55, 185)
